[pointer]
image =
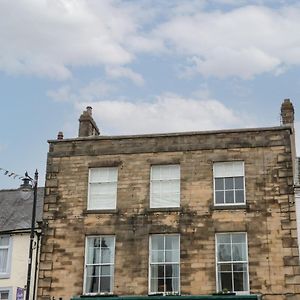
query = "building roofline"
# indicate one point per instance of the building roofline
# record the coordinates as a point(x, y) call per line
point(16, 189)
point(173, 134)
point(20, 230)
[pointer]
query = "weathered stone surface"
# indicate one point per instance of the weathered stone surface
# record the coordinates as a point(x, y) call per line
point(268, 217)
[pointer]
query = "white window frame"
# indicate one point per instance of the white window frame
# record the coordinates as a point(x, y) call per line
point(176, 202)
point(244, 185)
point(163, 263)
point(245, 262)
point(114, 204)
point(8, 266)
point(99, 264)
point(7, 289)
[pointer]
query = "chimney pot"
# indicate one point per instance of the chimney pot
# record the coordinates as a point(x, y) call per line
point(60, 135)
point(89, 110)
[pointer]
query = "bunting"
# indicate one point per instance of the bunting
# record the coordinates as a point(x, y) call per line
point(11, 174)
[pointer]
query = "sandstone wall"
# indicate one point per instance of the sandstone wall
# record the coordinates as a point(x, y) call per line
point(268, 217)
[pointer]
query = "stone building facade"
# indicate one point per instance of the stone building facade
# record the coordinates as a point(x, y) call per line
point(183, 213)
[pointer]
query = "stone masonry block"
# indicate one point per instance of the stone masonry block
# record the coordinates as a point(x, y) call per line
point(291, 260)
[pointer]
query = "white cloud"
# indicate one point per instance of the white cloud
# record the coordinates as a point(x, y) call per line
point(167, 113)
point(46, 38)
point(117, 72)
point(92, 91)
point(51, 38)
point(241, 42)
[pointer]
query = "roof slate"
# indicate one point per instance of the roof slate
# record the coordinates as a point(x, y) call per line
point(15, 213)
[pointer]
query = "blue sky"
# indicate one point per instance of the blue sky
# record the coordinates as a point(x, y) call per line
point(144, 67)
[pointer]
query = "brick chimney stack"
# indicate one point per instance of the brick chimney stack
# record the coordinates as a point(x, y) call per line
point(287, 112)
point(87, 125)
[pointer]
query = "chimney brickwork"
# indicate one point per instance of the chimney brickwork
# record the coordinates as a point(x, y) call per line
point(287, 112)
point(87, 125)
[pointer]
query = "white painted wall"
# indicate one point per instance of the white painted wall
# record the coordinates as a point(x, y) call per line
point(19, 264)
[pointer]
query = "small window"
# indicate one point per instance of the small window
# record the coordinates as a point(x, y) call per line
point(5, 252)
point(165, 186)
point(232, 262)
point(103, 188)
point(164, 264)
point(229, 183)
point(5, 293)
point(99, 264)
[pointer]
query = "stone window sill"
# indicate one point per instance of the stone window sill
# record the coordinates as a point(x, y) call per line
point(229, 207)
point(163, 209)
point(100, 211)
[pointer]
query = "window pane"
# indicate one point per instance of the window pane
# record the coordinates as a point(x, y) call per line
point(157, 242)
point(239, 183)
point(229, 169)
point(106, 255)
point(219, 183)
point(157, 271)
point(239, 252)
point(223, 238)
point(93, 255)
point(172, 270)
point(240, 281)
point(4, 295)
point(240, 267)
point(105, 284)
point(161, 271)
point(172, 284)
point(172, 242)
point(103, 174)
point(153, 285)
point(225, 267)
point(239, 196)
point(219, 197)
point(226, 281)
point(161, 286)
point(238, 238)
point(93, 271)
point(3, 260)
point(229, 198)
point(4, 240)
point(106, 271)
point(102, 201)
point(172, 256)
point(92, 284)
point(157, 256)
point(94, 242)
point(224, 252)
point(229, 183)
point(107, 242)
